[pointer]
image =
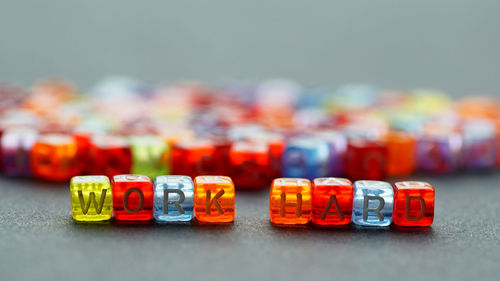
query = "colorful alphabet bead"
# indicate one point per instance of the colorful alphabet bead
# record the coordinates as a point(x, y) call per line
point(373, 202)
point(306, 157)
point(54, 157)
point(332, 201)
point(173, 198)
point(290, 201)
point(109, 155)
point(132, 198)
point(366, 159)
point(401, 154)
point(214, 199)
point(91, 198)
point(16, 147)
point(413, 203)
point(149, 156)
point(250, 164)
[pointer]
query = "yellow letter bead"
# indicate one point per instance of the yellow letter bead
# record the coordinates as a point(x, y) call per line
point(91, 198)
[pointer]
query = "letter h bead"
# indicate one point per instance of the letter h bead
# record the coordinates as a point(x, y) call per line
point(132, 198)
point(91, 198)
point(173, 198)
point(214, 199)
point(373, 202)
point(413, 203)
point(290, 201)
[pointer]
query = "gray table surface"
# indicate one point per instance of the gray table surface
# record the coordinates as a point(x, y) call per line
point(40, 240)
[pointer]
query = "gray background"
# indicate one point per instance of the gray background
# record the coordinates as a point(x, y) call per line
point(451, 45)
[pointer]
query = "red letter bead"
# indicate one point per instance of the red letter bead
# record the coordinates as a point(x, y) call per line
point(109, 155)
point(332, 201)
point(366, 160)
point(250, 165)
point(413, 204)
point(192, 157)
point(290, 201)
point(132, 198)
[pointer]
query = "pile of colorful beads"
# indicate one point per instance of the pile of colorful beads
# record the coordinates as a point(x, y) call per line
point(252, 133)
point(211, 199)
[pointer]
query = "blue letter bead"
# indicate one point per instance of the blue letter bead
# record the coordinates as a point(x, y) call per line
point(306, 157)
point(373, 202)
point(173, 198)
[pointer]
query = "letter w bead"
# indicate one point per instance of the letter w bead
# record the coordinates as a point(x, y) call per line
point(91, 198)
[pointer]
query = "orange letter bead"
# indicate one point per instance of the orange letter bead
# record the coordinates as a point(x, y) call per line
point(214, 199)
point(54, 157)
point(290, 201)
point(401, 154)
point(332, 201)
point(413, 204)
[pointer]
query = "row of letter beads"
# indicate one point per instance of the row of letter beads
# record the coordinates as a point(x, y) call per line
point(210, 199)
point(336, 201)
point(169, 199)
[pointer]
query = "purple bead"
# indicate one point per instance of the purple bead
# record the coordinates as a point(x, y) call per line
point(480, 145)
point(338, 146)
point(16, 147)
point(439, 153)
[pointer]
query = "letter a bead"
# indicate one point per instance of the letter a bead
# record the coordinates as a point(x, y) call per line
point(290, 201)
point(91, 198)
point(331, 201)
point(132, 198)
point(173, 198)
point(413, 203)
point(372, 203)
point(214, 199)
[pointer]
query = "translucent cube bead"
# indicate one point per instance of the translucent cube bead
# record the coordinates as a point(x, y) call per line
point(173, 198)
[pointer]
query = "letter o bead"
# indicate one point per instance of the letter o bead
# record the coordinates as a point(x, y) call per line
point(373, 202)
point(132, 198)
point(91, 198)
point(413, 204)
point(214, 199)
point(173, 198)
point(290, 201)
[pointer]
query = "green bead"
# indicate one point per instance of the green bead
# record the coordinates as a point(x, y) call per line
point(149, 156)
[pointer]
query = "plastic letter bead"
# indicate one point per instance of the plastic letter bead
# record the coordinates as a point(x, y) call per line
point(132, 198)
point(149, 156)
point(306, 157)
point(373, 202)
point(109, 155)
point(337, 143)
point(250, 165)
point(290, 201)
point(16, 146)
point(401, 154)
point(91, 198)
point(413, 203)
point(192, 158)
point(173, 198)
point(214, 199)
point(366, 159)
point(54, 157)
point(331, 201)
point(439, 152)
point(480, 145)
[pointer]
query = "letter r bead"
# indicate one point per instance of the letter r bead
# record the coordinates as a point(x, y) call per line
point(372, 203)
point(413, 203)
point(214, 199)
point(91, 198)
point(290, 201)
